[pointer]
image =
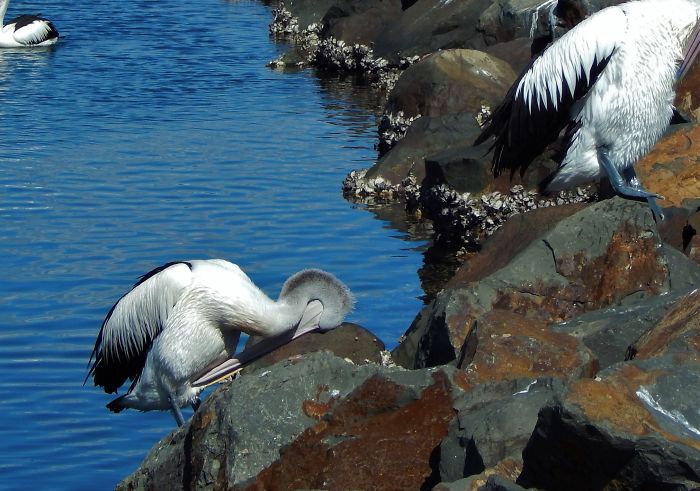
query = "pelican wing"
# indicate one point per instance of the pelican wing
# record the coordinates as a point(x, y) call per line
point(132, 324)
point(539, 104)
point(32, 29)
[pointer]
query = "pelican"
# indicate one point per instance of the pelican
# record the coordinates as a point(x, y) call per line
point(181, 322)
point(25, 30)
point(609, 83)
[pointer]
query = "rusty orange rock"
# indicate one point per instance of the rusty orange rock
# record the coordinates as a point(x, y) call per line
point(373, 424)
point(508, 346)
point(671, 168)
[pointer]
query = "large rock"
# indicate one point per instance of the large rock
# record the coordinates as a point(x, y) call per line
point(349, 341)
point(635, 427)
point(425, 136)
point(451, 81)
point(254, 430)
point(431, 25)
point(606, 254)
point(359, 21)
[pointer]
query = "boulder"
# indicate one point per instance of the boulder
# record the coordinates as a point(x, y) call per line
point(634, 427)
point(451, 81)
point(359, 21)
point(349, 341)
point(287, 426)
point(425, 136)
point(428, 26)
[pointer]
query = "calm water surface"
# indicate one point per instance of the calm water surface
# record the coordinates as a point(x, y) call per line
point(154, 132)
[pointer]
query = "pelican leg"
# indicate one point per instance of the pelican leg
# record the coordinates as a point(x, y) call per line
point(630, 187)
point(177, 414)
point(631, 177)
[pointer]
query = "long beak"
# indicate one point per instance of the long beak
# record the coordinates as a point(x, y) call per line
point(691, 51)
point(308, 323)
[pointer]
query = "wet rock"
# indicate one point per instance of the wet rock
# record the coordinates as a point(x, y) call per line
point(608, 253)
point(635, 427)
point(671, 168)
point(451, 81)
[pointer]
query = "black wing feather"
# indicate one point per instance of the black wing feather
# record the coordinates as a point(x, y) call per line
point(521, 131)
point(112, 375)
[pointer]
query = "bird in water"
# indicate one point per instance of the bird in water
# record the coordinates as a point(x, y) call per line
point(182, 321)
point(609, 84)
point(25, 30)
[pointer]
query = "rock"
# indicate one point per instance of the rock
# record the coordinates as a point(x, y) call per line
point(250, 432)
point(428, 26)
point(348, 341)
point(634, 428)
point(608, 253)
point(380, 422)
point(451, 81)
point(425, 136)
point(517, 53)
point(671, 168)
point(493, 424)
point(677, 332)
point(688, 93)
point(359, 21)
point(608, 333)
point(507, 20)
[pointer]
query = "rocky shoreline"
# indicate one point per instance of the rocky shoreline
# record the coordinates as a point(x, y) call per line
point(564, 353)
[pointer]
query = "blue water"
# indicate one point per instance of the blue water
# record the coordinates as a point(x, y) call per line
point(155, 132)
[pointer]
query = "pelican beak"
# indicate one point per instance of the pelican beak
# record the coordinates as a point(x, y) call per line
point(691, 51)
point(308, 323)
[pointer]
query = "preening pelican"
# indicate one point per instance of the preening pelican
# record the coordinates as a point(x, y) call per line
point(609, 82)
point(181, 322)
point(25, 30)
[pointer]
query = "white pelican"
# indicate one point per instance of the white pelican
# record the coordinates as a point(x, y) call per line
point(25, 30)
point(183, 319)
point(610, 82)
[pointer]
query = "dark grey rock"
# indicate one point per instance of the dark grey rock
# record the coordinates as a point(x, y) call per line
point(653, 443)
point(493, 423)
point(242, 426)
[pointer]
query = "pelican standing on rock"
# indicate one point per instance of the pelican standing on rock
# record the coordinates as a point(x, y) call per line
point(182, 321)
point(25, 30)
point(609, 82)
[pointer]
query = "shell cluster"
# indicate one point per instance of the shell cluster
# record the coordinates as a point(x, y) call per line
point(464, 220)
point(460, 220)
point(335, 55)
point(392, 127)
point(283, 22)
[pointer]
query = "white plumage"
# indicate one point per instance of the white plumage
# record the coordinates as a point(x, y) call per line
point(25, 30)
point(183, 319)
point(609, 82)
